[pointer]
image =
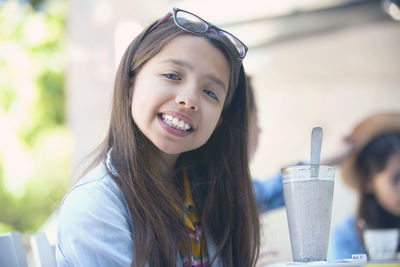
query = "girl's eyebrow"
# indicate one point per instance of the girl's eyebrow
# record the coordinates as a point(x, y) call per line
point(177, 62)
point(217, 81)
point(182, 63)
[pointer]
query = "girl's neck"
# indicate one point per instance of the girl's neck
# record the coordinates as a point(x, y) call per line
point(162, 164)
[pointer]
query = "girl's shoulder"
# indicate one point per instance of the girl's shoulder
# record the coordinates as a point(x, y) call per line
point(97, 176)
point(345, 239)
point(96, 188)
point(93, 214)
point(346, 231)
point(347, 226)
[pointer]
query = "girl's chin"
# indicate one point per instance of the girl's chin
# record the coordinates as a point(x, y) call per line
point(169, 151)
point(173, 152)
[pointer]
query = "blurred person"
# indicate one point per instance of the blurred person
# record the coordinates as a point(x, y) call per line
point(170, 185)
point(371, 166)
point(268, 192)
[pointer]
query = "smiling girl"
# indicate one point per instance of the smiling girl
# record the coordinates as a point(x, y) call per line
point(170, 185)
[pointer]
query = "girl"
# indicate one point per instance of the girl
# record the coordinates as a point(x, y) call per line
point(170, 185)
point(373, 168)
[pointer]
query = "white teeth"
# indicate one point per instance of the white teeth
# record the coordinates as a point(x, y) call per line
point(175, 122)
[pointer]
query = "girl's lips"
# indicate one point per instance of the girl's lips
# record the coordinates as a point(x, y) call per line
point(172, 130)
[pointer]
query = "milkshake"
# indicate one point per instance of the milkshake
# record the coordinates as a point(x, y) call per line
point(308, 192)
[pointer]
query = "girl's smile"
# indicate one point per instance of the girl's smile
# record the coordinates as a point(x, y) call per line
point(178, 95)
point(176, 123)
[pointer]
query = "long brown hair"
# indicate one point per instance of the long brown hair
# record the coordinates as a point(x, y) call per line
point(218, 170)
point(371, 160)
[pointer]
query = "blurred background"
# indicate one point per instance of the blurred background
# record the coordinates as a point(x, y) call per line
point(313, 63)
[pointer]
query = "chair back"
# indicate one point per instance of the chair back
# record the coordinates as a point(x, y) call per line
point(12, 253)
point(44, 254)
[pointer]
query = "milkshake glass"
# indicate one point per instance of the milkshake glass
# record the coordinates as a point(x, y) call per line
point(308, 192)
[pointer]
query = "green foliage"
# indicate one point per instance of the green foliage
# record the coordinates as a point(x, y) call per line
point(7, 96)
point(36, 4)
point(31, 56)
point(49, 106)
point(35, 141)
point(51, 97)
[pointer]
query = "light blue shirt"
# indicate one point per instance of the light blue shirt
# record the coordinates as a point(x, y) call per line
point(345, 240)
point(95, 226)
point(269, 193)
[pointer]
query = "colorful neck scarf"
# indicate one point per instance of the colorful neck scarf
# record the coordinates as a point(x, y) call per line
point(199, 256)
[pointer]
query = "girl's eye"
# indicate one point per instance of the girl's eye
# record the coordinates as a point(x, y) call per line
point(396, 179)
point(171, 76)
point(211, 94)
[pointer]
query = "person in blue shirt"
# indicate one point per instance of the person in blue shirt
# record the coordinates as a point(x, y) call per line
point(268, 192)
point(170, 185)
point(372, 168)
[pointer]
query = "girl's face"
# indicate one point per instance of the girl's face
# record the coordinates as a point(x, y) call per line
point(386, 186)
point(178, 95)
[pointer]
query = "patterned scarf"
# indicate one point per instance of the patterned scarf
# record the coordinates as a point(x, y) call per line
point(199, 255)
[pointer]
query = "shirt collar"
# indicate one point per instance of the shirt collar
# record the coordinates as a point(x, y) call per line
point(109, 165)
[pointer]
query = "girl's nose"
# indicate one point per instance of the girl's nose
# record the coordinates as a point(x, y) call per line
point(187, 99)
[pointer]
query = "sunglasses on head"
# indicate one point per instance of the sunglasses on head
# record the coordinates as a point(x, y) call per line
point(194, 24)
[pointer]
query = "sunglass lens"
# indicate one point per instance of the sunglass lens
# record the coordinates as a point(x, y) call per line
point(239, 46)
point(191, 22)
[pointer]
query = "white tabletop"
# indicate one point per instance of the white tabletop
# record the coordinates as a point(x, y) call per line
point(339, 263)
